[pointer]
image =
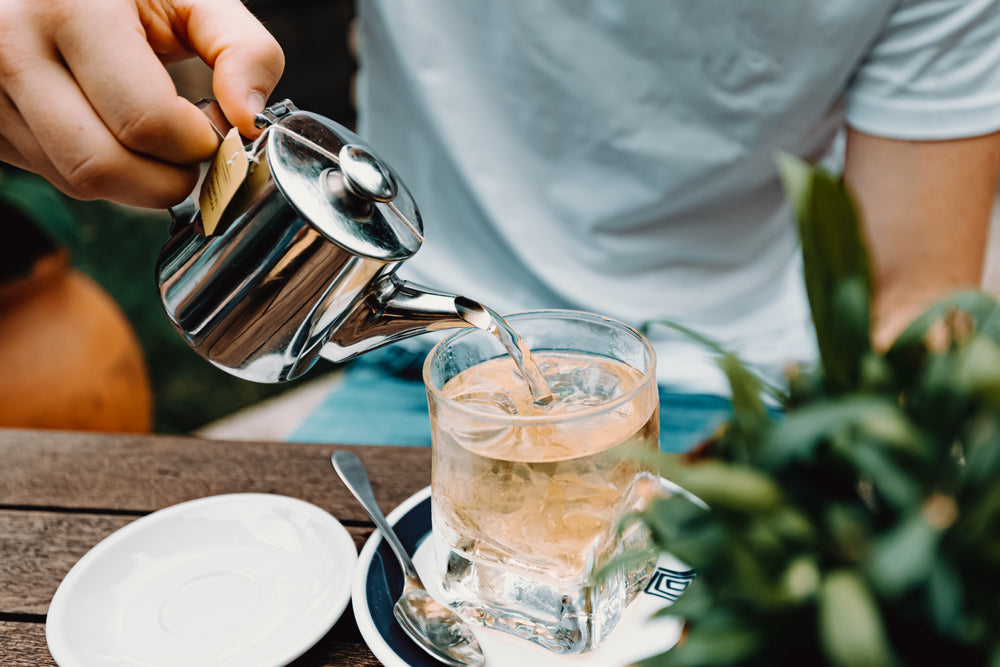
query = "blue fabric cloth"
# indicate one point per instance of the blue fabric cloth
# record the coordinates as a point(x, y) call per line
point(688, 419)
point(381, 400)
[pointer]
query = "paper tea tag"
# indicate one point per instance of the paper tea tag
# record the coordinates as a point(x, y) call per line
point(224, 177)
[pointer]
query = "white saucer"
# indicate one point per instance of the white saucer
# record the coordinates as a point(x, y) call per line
point(232, 580)
point(378, 582)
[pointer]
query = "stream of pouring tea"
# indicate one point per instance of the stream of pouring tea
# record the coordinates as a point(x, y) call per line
point(490, 321)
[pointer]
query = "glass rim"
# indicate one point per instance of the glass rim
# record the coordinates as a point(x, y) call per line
point(648, 376)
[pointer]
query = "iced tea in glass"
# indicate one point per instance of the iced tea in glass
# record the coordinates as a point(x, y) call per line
point(528, 498)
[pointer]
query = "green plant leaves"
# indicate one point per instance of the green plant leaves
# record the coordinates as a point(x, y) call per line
point(867, 516)
point(979, 369)
point(722, 485)
point(876, 417)
point(945, 596)
point(38, 215)
point(850, 623)
point(39, 202)
point(722, 640)
point(905, 556)
point(836, 266)
point(982, 308)
point(734, 368)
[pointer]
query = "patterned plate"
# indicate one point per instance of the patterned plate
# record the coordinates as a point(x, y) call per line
point(378, 582)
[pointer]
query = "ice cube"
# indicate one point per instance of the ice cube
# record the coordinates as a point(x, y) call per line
point(600, 382)
point(577, 387)
point(499, 402)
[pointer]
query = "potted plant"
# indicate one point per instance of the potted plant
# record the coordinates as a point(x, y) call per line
point(861, 527)
point(69, 358)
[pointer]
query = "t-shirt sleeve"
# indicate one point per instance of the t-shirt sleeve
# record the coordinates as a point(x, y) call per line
point(933, 73)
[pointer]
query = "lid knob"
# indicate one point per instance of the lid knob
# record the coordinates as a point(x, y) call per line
point(365, 175)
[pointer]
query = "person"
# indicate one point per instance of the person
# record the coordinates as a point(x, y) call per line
point(88, 104)
point(599, 155)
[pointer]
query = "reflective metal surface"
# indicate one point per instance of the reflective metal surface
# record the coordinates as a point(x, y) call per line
point(302, 263)
point(436, 628)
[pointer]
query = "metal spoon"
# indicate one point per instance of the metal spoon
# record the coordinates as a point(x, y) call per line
point(433, 626)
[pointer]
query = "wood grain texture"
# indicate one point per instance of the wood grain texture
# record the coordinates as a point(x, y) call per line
point(37, 549)
point(143, 473)
point(23, 645)
point(63, 492)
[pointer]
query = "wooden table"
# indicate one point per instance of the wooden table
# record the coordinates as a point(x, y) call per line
point(63, 492)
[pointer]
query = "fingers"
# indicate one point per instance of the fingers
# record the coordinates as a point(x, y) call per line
point(72, 147)
point(19, 148)
point(109, 56)
point(86, 102)
point(247, 60)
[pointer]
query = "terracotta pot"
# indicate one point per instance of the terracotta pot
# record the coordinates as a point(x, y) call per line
point(69, 359)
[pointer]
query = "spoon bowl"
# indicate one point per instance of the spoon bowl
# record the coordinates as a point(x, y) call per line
point(436, 628)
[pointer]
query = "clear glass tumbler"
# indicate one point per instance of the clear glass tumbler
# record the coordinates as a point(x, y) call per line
point(528, 500)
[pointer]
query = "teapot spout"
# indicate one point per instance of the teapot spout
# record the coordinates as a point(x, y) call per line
point(396, 309)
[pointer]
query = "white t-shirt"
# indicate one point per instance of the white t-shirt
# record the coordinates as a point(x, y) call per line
point(617, 157)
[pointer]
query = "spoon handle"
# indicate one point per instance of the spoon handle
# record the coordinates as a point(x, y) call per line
point(352, 473)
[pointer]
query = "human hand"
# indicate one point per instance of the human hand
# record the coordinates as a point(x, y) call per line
point(86, 102)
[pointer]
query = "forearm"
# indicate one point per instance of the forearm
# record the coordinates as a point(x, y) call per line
point(926, 208)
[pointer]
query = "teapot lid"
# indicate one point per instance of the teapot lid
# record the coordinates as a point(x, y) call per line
point(336, 181)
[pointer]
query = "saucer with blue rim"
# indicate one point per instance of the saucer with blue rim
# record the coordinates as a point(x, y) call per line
point(378, 582)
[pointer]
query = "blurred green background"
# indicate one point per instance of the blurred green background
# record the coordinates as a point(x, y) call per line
point(119, 245)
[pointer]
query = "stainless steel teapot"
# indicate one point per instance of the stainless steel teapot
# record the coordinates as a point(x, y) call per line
point(302, 263)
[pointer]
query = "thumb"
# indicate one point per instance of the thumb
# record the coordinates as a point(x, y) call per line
point(247, 61)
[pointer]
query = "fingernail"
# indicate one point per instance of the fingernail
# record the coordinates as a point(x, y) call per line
point(256, 101)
